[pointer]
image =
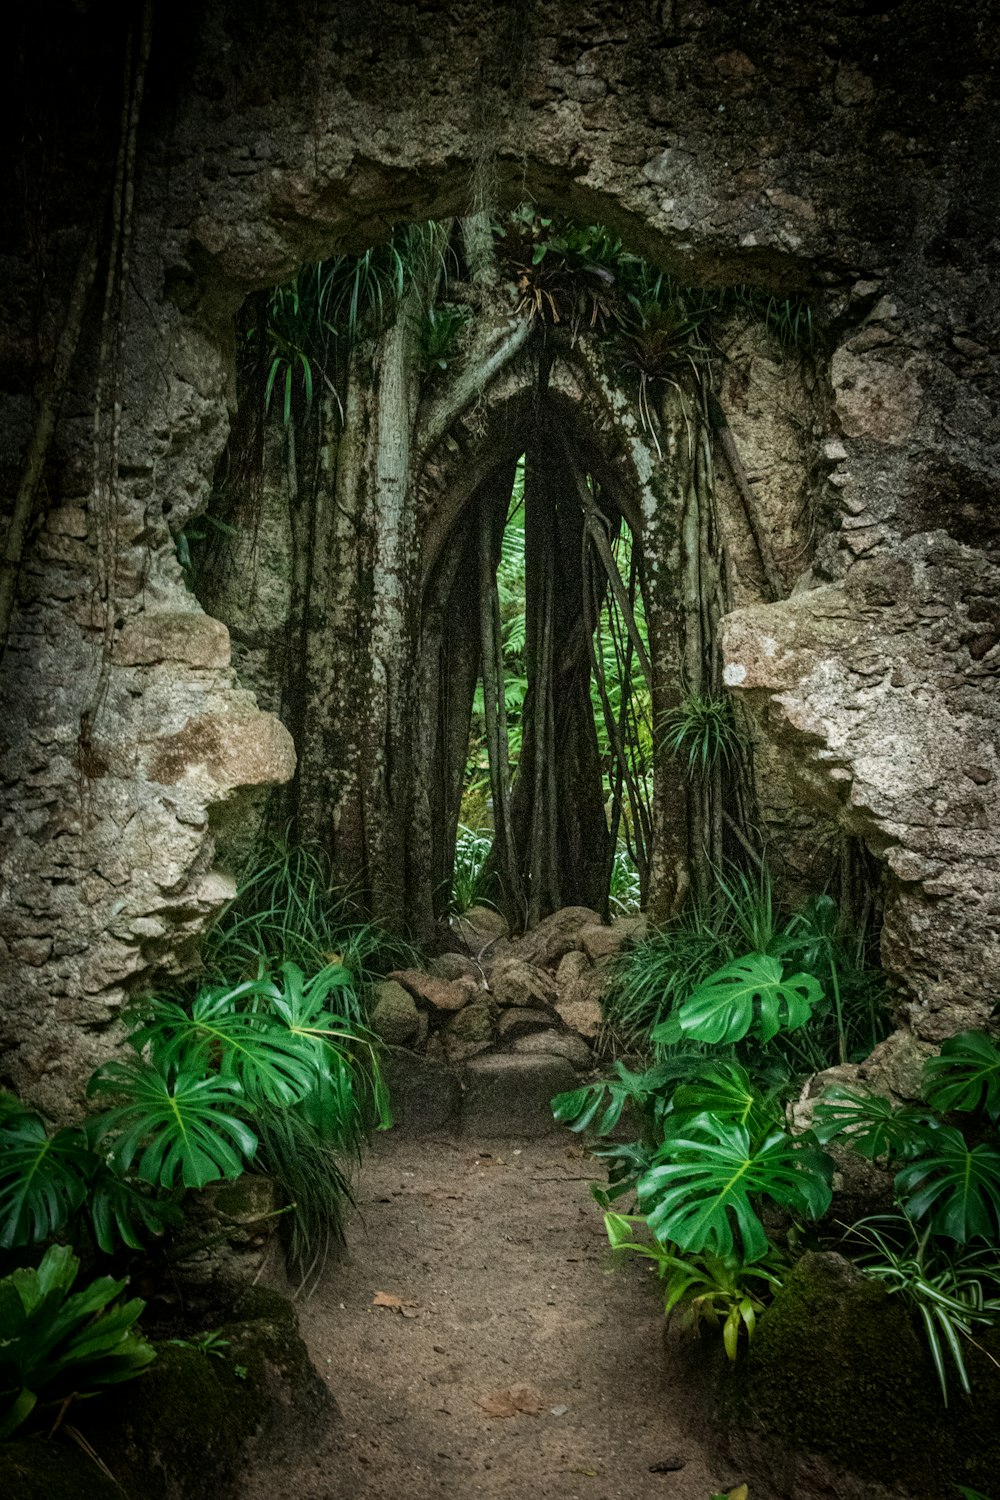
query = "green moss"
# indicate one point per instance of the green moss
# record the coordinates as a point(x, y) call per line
point(35, 1469)
point(174, 1432)
point(837, 1367)
point(190, 1426)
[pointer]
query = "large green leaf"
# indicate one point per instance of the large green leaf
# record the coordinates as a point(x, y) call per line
point(870, 1124)
point(955, 1187)
point(751, 992)
point(705, 1182)
point(724, 1089)
point(267, 1060)
point(599, 1106)
point(348, 1091)
point(180, 1129)
point(965, 1076)
point(43, 1179)
point(123, 1213)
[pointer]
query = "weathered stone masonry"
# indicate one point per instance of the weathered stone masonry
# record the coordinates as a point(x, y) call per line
point(830, 149)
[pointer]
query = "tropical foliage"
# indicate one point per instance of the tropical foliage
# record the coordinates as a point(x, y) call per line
point(954, 1292)
point(725, 1292)
point(695, 954)
point(265, 1073)
point(56, 1344)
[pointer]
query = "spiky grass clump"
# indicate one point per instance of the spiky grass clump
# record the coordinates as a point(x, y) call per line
point(702, 732)
point(288, 908)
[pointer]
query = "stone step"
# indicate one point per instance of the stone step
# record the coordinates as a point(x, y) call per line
point(498, 1095)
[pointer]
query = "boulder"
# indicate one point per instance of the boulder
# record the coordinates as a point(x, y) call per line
point(896, 1066)
point(194, 1426)
point(454, 966)
point(571, 965)
point(557, 934)
point(436, 994)
point(521, 984)
point(580, 1004)
point(518, 1021)
point(556, 1044)
point(600, 941)
point(633, 929)
point(582, 1016)
point(468, 1032)
point(510, 1095)
point(425, 1092)
point(394, 1017)
point(870, 1407)
point(479, 927)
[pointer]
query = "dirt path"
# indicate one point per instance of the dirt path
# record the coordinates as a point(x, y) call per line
point(502, 1254)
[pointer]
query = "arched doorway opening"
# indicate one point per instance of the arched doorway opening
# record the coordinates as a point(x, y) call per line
point(392, 398)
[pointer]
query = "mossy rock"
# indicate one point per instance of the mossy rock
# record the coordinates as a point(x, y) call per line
point(35, 1469)
point(194, 1423)
point(838, 1368)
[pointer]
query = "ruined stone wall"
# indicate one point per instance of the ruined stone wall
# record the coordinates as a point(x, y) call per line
point(829, 148)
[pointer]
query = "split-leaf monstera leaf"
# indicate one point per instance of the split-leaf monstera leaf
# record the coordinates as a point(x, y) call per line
point(752, 992)
point(704, 1183)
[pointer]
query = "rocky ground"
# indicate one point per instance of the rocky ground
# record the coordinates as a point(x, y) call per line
point(479, 1341)
point(483, 1036)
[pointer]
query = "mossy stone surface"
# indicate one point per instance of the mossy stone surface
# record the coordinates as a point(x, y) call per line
point(35, 1469)
point(838, 1368)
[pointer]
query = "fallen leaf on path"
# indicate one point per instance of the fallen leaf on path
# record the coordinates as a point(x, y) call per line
point(516, 1398)
point(496, 1404)
point(397, 1304)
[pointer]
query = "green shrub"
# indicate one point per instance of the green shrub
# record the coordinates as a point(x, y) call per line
point(50, 1184)
point(260, 1073)
point(652, 980)
point(723, 1291)
point(56, 1344)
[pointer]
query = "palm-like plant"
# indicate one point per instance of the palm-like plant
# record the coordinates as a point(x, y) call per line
point(57, 1344)
point(288, 908)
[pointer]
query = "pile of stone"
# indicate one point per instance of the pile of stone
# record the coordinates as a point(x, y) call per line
point(535, 996)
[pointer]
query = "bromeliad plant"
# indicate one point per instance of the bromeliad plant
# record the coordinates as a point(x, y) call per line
point(723, 1291)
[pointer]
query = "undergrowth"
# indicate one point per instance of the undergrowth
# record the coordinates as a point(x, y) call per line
point(288, 908)
point(652, 979)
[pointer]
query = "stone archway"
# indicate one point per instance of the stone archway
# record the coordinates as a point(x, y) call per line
point(122, 741)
